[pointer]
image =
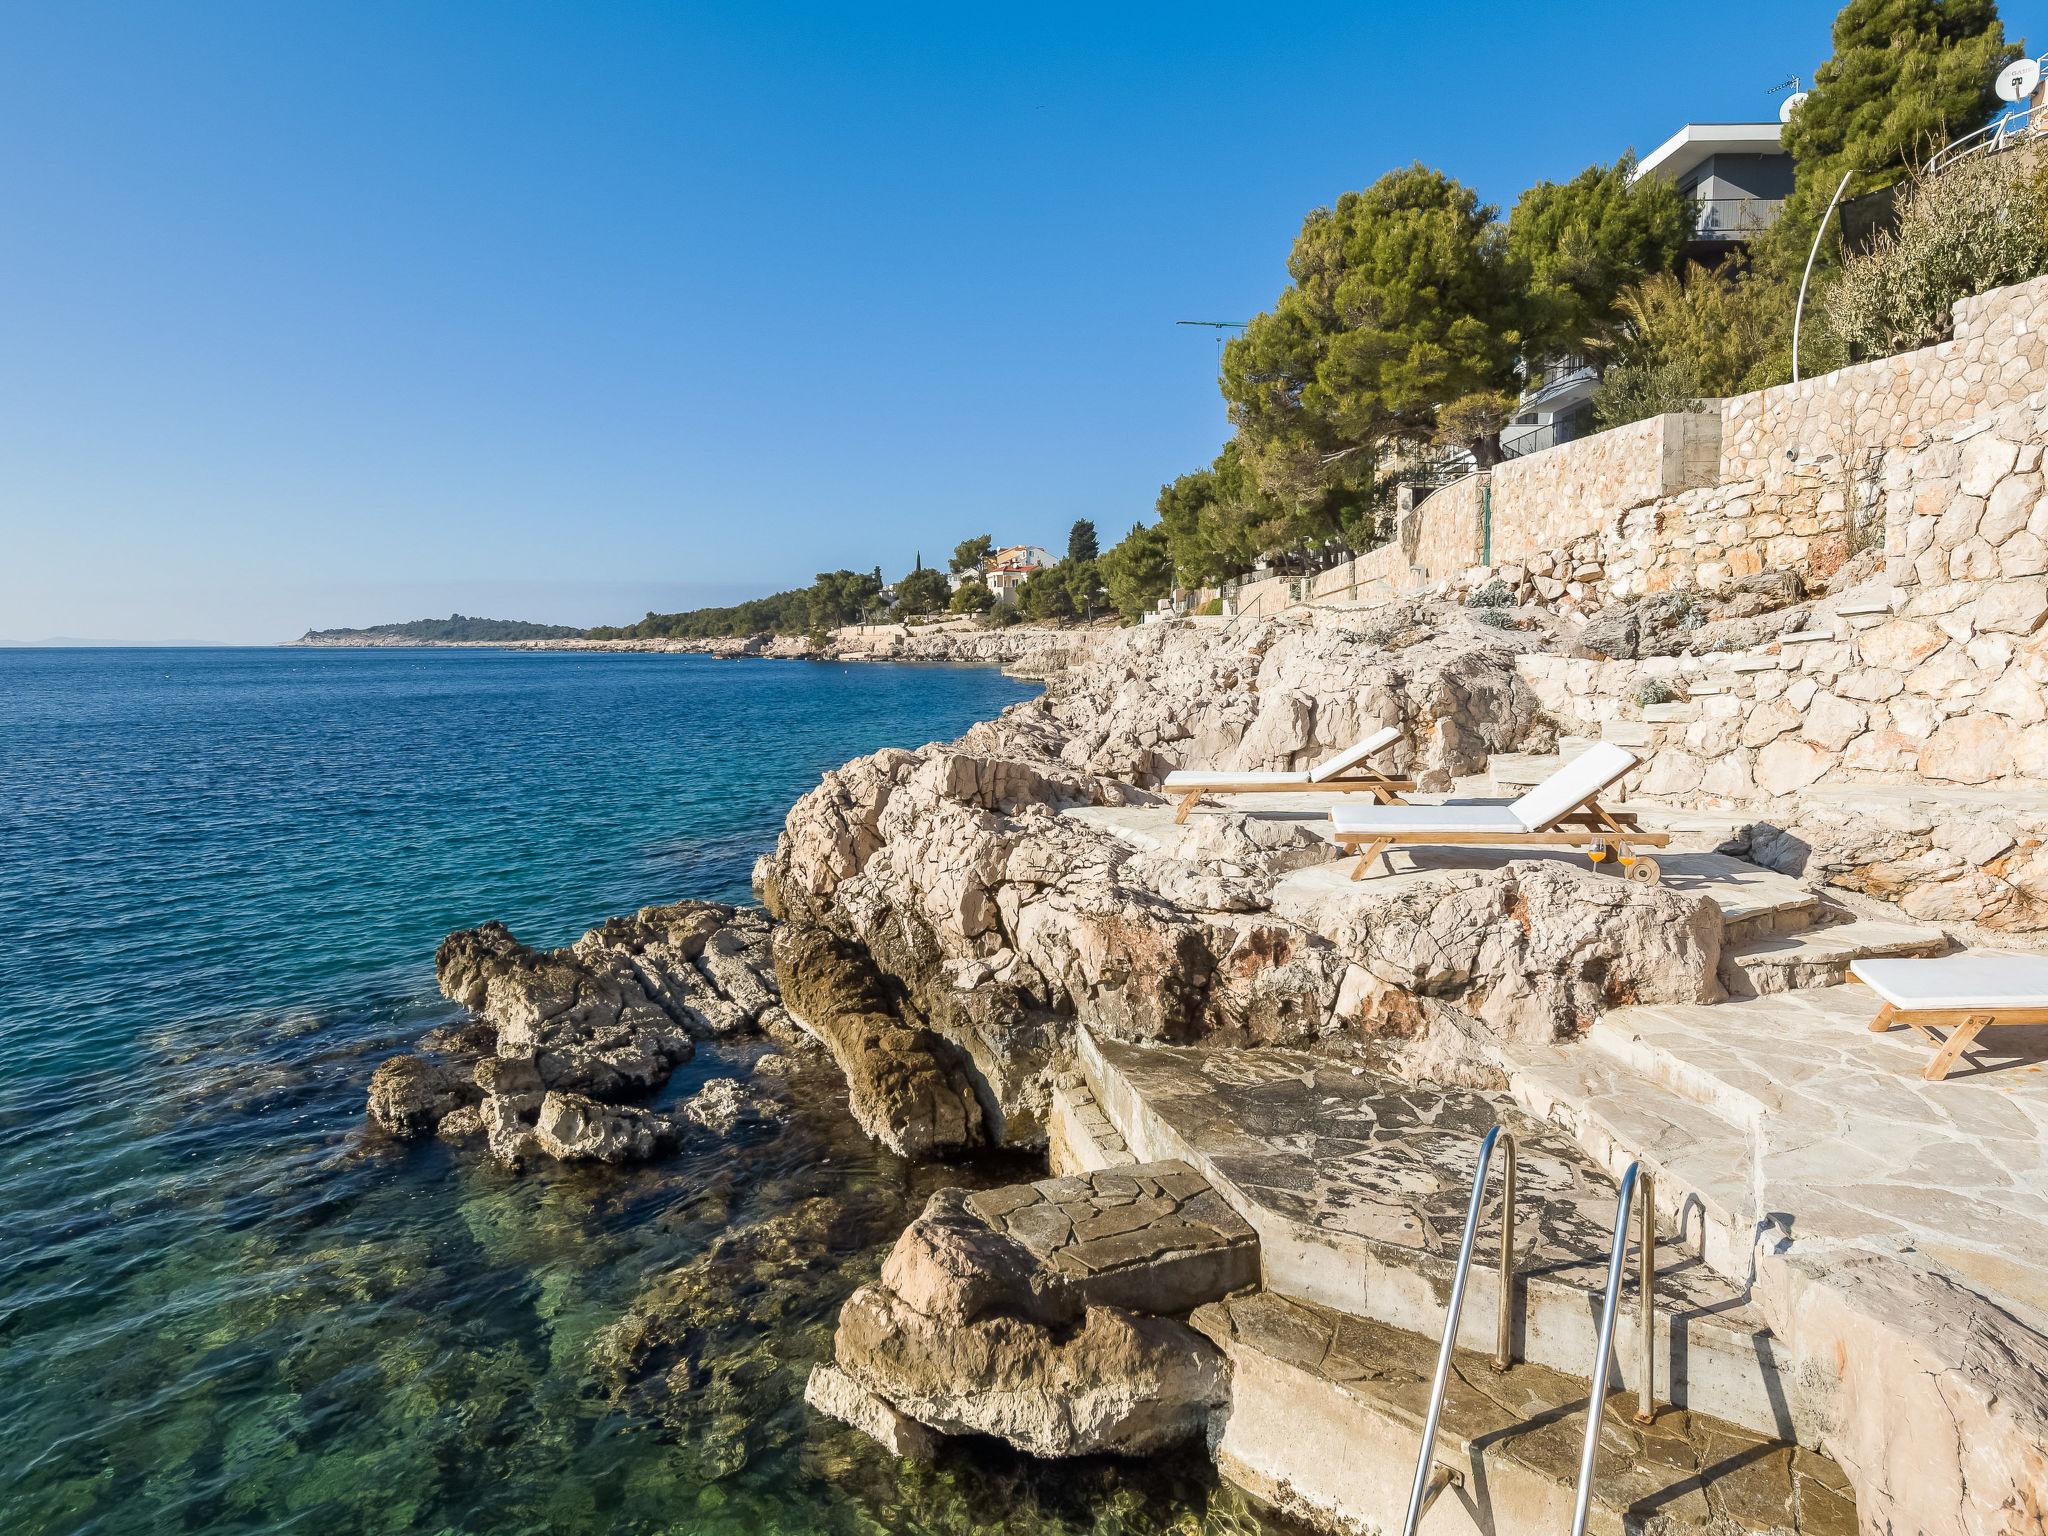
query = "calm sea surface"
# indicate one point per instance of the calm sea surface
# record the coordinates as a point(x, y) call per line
point(222, 1308)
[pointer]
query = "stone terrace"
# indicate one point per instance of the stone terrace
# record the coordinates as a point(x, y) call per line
point(1833, 1135)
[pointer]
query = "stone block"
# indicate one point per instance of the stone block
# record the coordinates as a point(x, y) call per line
point(838, 1396)
point(1970, 749)
point(1899, 645)
point(1789, 764)
point(2012, 608)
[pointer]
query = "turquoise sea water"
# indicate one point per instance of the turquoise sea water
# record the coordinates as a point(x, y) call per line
point(225, 1309)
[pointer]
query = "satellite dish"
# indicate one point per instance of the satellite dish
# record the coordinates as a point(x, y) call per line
point(1791, 105)
point(2017, 80)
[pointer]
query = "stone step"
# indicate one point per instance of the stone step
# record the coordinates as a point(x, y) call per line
point(1080, 1137)
point(1618, 1114)
point(1357, 1185)
point(1326, 1414)
point(1820, 957)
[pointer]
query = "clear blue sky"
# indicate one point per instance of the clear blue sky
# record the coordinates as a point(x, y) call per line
point(317, 314)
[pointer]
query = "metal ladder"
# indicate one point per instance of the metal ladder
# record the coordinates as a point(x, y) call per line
point(1635, 1179)
point(1430, 1479)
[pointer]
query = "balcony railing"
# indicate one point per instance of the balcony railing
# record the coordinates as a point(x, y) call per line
point(1734, 218)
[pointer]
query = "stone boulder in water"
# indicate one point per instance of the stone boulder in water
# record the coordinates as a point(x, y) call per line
point(568, 1037)
point(410, 1096)
point(907, 1087)
point(1039, 1314)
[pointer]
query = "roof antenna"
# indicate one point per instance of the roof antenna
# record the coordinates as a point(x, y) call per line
point(1790, 103)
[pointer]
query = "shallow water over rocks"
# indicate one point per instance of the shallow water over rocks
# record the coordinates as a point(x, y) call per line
point(224, 1308)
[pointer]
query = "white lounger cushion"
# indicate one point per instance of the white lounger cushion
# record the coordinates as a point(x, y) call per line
point(1182, 778)
point(1578, 781)
point(1221, 778)
point(1356, 753)
point(1988, 979)
point(1400, 820)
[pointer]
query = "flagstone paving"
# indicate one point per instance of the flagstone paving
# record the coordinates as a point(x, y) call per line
point(1348, 1152)
point(1848, 1141)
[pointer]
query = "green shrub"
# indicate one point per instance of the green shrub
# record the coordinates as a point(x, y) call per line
point(1001, 616)
point(1654, 691)
point(1976, 225)
point(1697, 338)
point(1633, 391)
point(1211, 608)
point(1495, 594)
point(1498, 618)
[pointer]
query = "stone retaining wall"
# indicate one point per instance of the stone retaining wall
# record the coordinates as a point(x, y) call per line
point(1940, 673)
point(1546, 501)
point(1999, 355)
point(1789, 478)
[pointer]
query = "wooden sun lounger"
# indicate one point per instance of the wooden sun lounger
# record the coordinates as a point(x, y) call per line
point(1964, 994)
point(1345, 773)
point(1564, 811)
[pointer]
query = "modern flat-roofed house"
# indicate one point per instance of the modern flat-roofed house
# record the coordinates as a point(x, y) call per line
point(1737, 176)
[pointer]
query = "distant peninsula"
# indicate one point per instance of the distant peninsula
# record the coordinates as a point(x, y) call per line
point(456, 629)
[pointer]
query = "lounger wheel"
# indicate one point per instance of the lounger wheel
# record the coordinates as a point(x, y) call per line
point(1642, 871)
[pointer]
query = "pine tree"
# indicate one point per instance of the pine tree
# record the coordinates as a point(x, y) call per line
point(1906, 77)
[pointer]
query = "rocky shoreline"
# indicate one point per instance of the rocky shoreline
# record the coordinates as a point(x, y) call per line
point(946, 928)
point(1030, 650)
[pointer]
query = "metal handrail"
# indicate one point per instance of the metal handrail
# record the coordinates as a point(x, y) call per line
point(1426, 1487)
point(1634, 1179)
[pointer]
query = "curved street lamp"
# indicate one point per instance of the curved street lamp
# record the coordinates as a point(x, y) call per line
point(1799, 309)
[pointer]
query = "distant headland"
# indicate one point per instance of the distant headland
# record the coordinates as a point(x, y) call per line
point(456, 629)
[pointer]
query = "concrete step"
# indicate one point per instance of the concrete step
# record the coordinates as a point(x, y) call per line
point(1820, 957)
point(1357, 1186)
point(1326, 1414)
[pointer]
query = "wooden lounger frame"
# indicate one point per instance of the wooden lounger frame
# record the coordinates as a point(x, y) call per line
point(1963, 1025)
point(1595, 827)
point(1378, 785)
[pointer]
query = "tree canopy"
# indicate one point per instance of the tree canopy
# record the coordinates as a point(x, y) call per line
point(1216, 521)
point(1577, 244)
point(971, 554)
point(841, 597)
point(1081, 543)
point(924, 590)
point(1401, 300)
point(1138, 571)
point(972, 596)
point(1905, 78)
